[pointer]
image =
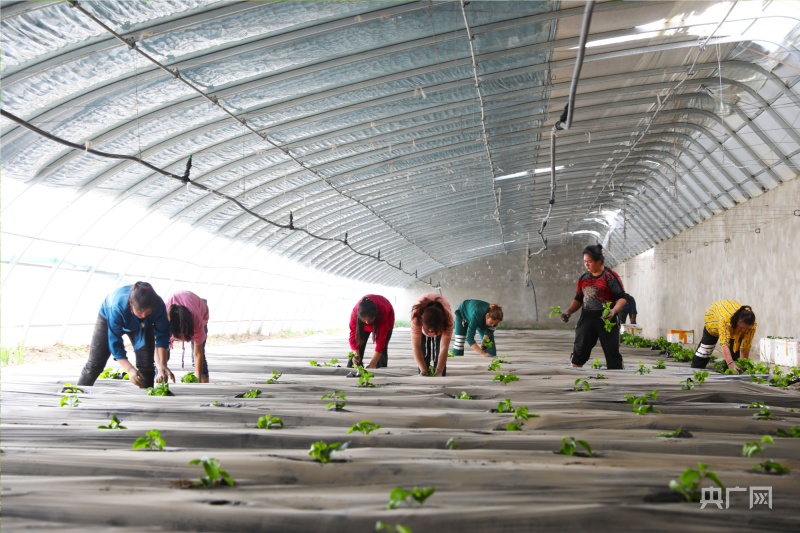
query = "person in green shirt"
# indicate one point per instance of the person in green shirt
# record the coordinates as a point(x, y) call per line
point(476, 316)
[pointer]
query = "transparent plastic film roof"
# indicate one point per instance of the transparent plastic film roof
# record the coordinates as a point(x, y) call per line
point(385, 141)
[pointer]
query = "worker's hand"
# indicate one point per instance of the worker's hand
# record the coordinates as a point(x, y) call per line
point(486, 354)
point(564, 318)
point(732, 366)
point(164, 374)
point(135, 377)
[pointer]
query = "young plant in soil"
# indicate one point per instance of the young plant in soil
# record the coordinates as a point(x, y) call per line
point(365, 377)
point(596, 364)
point(432, 371)
point(793, 433)
point(569, 446)
point(600, 376)
point(162, 389)
point(642, 370)
point(451, 443)
point(608, 324)
point(409, 497)
point(763, 413)
point(679, 433)
point(150, 441)
point(689, 482)
point(314, 363)
point(688, 384)
point(332, 363)
point(640, 405)
point(252, 393)
point(506, 378)
point(113, 424)
point(338, 400)
point(521, 415)
point(700, 376)
point(113, 373)
point(321, 451)
point(268, 422)
point(494, 365)
point(386, 526)
point(463, 396)
point(505, 406)
point(660, 365)
point(71, 400)
point(274, 378)
point(189, 377)
point(215, 475)
point(451, 353)
point(69, 388)
point(581, 384)
point(365, 426)
point(759, 381)
point(768, 465)
point(487, 342)
point(555, 310)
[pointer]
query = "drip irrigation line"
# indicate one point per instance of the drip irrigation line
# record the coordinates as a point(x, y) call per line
point(175, 73)
point(189, 183)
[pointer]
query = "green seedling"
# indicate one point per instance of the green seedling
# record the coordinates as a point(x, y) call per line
point(600, 376)
point(521, 415)
point(758, 380)
point(113, 373)
point(162, 389)
point(252, 393)
point(763, 413)
point(321, 451)
point(607, 324)
point(596, 364)
point(555, 310)
point(640, 405)
point(332, 363)
point(505, 406)
point(314, 363)
point(365, 426)
point(660, 365)
point(71, 400)
point(351, 354)
point(793, 433)
point(689, 482)
point(688, 384)
point(506, 378)
point(645, 409)
point(268, 422)
point(69, 388)
point(215, 475)
point(338, 400)
point(113, 424)
point(642, 370)
point(494, 365)
point(581, 384)
point(672, 434)
point(386, 526)
point(451, 443)
point(569, 446)
point(274, 378)
point(451, 353)
point(503, 361)
point(700, 376)
point(189, 377)
point(365, 377)
point(487, 342)
point(772, 467)
point(409, 497)
point(151, 441)
point(755, 405)
point(463, 396)
point(432, 371)
point(749, 449)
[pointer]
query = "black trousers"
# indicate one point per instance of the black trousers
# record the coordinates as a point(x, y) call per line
point(590, 329)
point(430, 351)
point(99, 352)
point(707, 344)
point(191, 346)
point(382, 362)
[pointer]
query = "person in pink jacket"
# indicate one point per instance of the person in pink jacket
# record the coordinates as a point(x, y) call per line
point(431, 331)
point(372, 314)
point(188, 321)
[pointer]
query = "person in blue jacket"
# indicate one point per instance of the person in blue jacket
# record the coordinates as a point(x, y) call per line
point(138, 312)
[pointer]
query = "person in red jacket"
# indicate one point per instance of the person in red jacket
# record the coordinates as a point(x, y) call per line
point(373, 314)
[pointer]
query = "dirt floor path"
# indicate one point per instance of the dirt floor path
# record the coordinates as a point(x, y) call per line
point(61, 473)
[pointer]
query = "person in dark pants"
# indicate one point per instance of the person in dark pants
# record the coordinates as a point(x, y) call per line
point(138, 312)
point(596, 287)
point(629, 309)
point(188, 321)
point(476, 316)
point(431, 331)
point(372, 314)
point(731, 324)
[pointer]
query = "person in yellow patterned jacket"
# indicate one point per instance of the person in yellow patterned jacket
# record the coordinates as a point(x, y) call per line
point(731, 324)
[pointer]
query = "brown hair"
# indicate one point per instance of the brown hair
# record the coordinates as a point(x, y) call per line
point(430, 314)
point(143, 297)
point(181, 323)
point(495, 312)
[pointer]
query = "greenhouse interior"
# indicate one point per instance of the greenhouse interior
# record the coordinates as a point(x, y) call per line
point(218, 215)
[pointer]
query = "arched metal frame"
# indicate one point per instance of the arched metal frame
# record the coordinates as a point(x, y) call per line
point(398, 142)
